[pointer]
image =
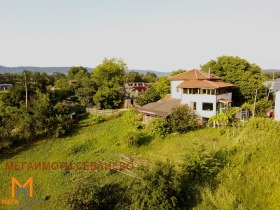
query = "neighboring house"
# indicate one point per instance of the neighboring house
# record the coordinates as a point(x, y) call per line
point(276, 89)
point(4, 87)
point(204, 93)
point(131, 90)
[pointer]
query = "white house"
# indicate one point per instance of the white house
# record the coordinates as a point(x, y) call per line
point(276, 88)
point(205, 93)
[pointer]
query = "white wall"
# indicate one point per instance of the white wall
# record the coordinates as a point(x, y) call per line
point(174, 93)
point(199, 99)
point(225, 96)
point(277, 105)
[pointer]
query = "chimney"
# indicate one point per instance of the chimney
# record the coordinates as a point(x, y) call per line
point(209, 73)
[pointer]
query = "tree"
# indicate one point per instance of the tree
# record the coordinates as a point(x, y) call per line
point(182, 119)
point(77, 73)
point(108, 97)
point(245, 76)
point(149, 77)
point(149, 96)
point(111, 72)
point(162, 86)
point(86, 90)
point(175, 72)
point(133, 76)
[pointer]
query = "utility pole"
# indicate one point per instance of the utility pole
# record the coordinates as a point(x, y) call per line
point(254, 109)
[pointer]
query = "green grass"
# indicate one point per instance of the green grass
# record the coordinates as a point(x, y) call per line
point(253, 162)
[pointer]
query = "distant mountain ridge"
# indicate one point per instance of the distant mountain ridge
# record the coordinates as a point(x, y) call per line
point(270, 70)
point(49, 70)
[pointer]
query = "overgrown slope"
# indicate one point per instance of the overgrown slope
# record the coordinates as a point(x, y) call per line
point(249, 179)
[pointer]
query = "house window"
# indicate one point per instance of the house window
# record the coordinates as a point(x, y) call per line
point(177, 90)
point(213, 92)
point(195, 91)
point(204, 91)
point(186, 91)
point(193, 105)
point(207, 106)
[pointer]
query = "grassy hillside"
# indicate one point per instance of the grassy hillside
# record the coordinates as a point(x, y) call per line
point(249, 179)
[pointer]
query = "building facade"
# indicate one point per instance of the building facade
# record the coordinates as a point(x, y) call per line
point(204, 93)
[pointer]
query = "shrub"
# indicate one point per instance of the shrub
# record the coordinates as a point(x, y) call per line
point(224, 118)
point(97, 118)
point(136, 139)
point(91, 195)
point(264, 124)
point(133, 118)
point(159, 189)
point(158, 127)
point(182, 119)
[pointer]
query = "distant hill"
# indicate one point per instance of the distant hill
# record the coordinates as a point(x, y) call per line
point(49, 70)
point(270, 70)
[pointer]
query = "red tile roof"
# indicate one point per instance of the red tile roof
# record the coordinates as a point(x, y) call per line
point(194, 74)
point(204, 84)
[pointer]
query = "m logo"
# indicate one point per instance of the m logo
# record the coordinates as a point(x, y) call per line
point(22, 187)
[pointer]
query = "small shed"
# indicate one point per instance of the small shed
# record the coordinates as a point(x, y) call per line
point(161, 108)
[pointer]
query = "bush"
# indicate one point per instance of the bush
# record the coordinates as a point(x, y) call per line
point(182, 119)
point(97, 118)
point(264, 124)
point(136, 139)
point(224, 118)
point(158, 127)
point(91, 195)
point(133, 118)
point(159, 189)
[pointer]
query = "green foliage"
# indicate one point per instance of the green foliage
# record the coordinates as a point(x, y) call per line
point(158, 127)
point(108, 97)
point(149, 96)
point(111, 72)
point(175, 72)
point(182, 119)
point(262, 106)
point(89, 194)
point(250, 178)
point(162, 86)
point(149, 77)
point(133, 76)
point(271, 75)
point(77, 73)
point(158, 189)
point(136, 139)
point(224, 118)
point(269, 125)
point(247, 77)
point(98, 118)
point(248, 106)
point(133, 118)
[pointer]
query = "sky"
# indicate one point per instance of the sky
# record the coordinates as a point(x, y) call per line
point(161, 35)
